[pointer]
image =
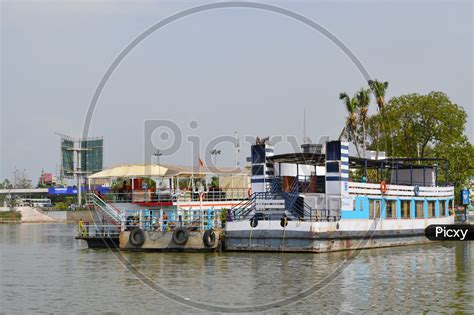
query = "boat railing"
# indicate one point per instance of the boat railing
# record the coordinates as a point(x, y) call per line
point(242, 209)
point(268, 204)
point(160, 220)
point(86, 230)
point(213, 195)
point(101, 202)
point(305, 212)
point(371, 189)
point(170, 197)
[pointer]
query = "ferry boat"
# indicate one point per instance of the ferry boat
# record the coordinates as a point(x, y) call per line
point(323, 200)
point(168, 217)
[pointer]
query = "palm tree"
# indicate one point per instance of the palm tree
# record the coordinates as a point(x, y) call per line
point(363, 100)
point(378, 89)
point(351, 122)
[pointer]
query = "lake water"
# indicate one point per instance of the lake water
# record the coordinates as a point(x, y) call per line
point(44, 269)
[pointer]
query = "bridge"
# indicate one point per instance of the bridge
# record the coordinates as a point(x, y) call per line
point(23, 191)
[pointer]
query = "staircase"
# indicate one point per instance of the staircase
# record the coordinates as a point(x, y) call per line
point(292, 196)
point(275, 186)
point(302, 210)
point(112, 214)
point(242, 209)
point(274, 201)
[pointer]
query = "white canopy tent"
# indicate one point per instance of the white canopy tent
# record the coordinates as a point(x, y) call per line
point(172, 172)
point(132, 170)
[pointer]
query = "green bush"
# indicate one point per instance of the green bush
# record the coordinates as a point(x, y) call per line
point(61, 205)
point(10, 216)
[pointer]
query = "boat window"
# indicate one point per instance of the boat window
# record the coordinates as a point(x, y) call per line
point(431, 209)
point(442, 208)
point(405, 209)
point(374, 209)
point(391, 209)
point(419, 209)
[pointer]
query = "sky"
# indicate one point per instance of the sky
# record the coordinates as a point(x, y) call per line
point(212, 74)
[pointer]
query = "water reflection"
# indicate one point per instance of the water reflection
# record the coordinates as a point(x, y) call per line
point(43, 268)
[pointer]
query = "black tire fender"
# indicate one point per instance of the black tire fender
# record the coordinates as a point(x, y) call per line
point(137, 237)
point(180, 236)
point(209, 238)
point(253, 222)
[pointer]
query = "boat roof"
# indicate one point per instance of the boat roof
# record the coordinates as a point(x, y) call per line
point(319, 159)
point(155, 170)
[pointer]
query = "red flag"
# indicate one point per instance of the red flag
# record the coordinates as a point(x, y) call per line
point(200, 163)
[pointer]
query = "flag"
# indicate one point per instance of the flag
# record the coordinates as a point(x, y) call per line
point(200, 163)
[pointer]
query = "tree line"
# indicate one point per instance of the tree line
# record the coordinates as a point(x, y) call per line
point(412, 125)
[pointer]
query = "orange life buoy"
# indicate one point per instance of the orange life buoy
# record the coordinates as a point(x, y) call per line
point(249, 192)
point(383, 187)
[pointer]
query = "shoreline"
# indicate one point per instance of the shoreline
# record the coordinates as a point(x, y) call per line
point(38, 216)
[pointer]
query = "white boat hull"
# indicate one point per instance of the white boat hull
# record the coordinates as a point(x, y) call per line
point(301, 236)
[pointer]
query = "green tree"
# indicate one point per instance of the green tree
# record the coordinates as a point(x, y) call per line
point(379, 89)
point(351, 120)
point(363, 102)
point(426, 126)
point(460, 156)
point(418, 123)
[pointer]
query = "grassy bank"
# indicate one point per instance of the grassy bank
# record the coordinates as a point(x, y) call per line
point(10, 216)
